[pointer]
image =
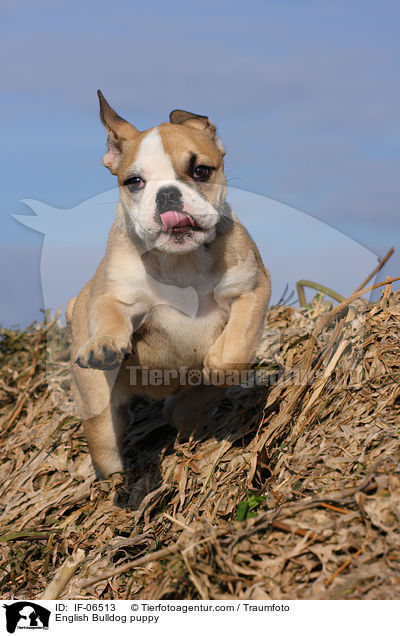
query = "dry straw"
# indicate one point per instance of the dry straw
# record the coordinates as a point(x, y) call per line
point(309, 461)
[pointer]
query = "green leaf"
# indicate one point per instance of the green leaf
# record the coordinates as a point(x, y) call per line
point(247, 509)
point(242, 511)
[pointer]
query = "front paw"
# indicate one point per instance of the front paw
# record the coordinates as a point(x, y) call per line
point(212, 367)
point(102, 352)
point(213, 362)
point(222, 373)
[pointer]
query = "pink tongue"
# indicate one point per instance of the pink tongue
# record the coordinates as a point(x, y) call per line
point(175, 219)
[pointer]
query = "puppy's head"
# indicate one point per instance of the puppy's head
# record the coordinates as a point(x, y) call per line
point(171, 178)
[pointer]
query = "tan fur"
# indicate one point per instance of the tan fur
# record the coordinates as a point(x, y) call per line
point(69, 309)
point(124, 310)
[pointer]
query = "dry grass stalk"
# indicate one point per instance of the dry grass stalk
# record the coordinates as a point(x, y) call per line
point(63, 576)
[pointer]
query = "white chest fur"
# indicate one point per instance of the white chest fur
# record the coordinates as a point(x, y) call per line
point(171, 302)
point(188, 315)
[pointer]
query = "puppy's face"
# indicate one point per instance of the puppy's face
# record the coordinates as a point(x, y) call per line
point(171, 179)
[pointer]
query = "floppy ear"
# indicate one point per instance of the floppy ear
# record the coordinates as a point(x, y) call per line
point(199, 122)
point(118, 130)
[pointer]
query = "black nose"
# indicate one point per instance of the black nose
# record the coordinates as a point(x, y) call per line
point(169, 198)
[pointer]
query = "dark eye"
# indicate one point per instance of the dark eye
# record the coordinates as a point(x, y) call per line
point(134, 183)
point(202, 173)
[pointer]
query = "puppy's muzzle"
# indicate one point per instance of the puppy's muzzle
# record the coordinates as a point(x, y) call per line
point(169, 210)
point(169, 198)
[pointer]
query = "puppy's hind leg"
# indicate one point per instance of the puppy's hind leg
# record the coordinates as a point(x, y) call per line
point(105, 433)
point(188, 410)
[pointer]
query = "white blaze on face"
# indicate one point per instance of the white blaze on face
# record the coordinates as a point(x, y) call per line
point(155, 167)
point(152, 161)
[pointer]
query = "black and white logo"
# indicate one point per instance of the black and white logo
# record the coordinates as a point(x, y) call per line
point(26, 615)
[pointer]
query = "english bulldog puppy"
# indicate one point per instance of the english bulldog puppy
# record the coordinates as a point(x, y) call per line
point(181, 292)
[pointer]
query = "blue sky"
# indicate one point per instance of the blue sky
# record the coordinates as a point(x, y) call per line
point(305, 96)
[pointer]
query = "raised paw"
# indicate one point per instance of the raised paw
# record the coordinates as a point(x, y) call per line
point(102, 352)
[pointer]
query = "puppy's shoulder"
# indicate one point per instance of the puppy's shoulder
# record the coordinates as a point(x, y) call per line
point(234, 245)
point(121, 247)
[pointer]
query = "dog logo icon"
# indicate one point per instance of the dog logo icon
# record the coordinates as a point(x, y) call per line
point(26, 615)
